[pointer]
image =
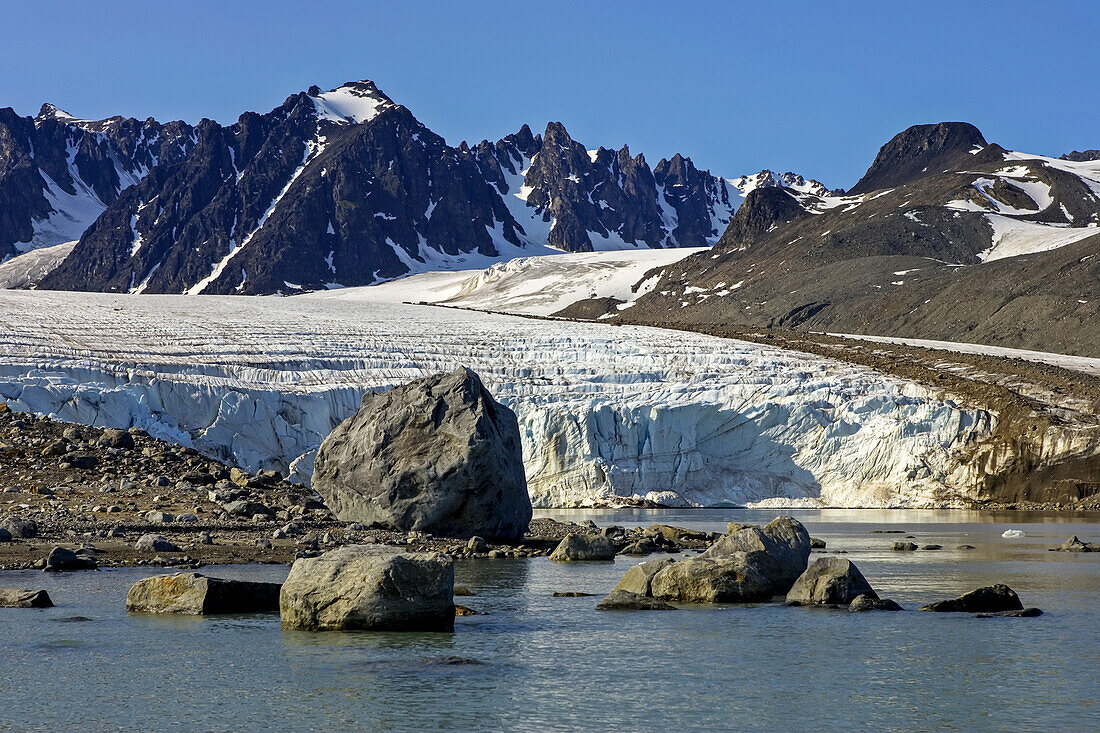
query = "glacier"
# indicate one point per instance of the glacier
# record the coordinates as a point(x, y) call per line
point(608, 414)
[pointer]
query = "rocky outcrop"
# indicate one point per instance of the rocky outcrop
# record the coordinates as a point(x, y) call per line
point(828, 581)
point(583, 548)
point(369, 587)
point(17, 598)
point(988, 599)
point(436, 455)
point(195, 594)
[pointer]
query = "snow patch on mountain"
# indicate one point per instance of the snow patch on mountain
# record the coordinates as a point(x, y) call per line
point(355, 103)
point(1014, 237)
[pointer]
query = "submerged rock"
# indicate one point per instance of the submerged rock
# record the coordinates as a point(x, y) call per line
point(621, 600)
point(829, 580)
point(436, 455)
point(867, 602)
point(1073, 544)
point(1023, 613)
point(17, 598)
point(371, 587)
point(583, 548)
point(988, 599)
point(192, 593)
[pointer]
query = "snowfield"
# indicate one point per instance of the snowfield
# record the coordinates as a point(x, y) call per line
point(607, 413)
point(539, 285)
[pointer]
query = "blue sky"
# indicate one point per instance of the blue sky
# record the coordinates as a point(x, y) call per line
point(814, 87)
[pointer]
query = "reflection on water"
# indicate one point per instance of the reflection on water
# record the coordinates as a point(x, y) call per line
point(550, 663)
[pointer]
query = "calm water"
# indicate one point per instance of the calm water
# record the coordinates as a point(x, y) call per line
point(556, 664)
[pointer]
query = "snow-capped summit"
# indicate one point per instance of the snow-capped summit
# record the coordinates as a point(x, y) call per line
point(53, 112)
point(770, 179)
point(355, 102)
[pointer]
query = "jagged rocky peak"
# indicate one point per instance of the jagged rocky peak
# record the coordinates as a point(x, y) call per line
point(919, 151)
point(794, 181)
point(355, 102)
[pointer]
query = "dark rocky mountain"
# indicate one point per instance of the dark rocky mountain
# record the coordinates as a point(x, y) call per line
point(58, 173)
point(921, 150)
point(1002, 248)
point(347, 187)
point(1080, 156)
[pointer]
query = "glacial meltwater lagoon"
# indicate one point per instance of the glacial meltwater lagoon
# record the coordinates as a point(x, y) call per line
point(540, 663)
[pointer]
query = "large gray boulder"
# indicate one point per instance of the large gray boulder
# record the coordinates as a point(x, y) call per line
point(582, 548)
point(739, 577)
point(829, 580)
point(18, 598)
point(19, 527)
point(371, 587)
point(195, 594)
point(436, 455)
point(784, 541)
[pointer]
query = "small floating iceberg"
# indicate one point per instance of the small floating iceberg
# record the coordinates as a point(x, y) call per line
point(1014, 534)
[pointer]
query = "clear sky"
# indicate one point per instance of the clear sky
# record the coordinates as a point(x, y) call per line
point(813, 87)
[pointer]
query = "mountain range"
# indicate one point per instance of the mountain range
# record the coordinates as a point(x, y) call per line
point(337, 188)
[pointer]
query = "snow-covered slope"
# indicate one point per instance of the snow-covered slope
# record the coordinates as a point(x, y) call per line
point(532, 285)
point(606, 412)
point(27, 269)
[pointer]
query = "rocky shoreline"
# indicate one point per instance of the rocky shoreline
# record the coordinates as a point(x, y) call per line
point(103, 490)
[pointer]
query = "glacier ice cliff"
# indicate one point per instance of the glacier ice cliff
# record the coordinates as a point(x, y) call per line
point(608, 413)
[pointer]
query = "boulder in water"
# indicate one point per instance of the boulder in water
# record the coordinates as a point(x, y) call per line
point(195, 594)
point(638, 578)
point(736, 577)
point(784, 541)
point(582, 548)
point(18, 598)
point(436, 455)
point(988, 599)
point(827, 581)
point(370, 587)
